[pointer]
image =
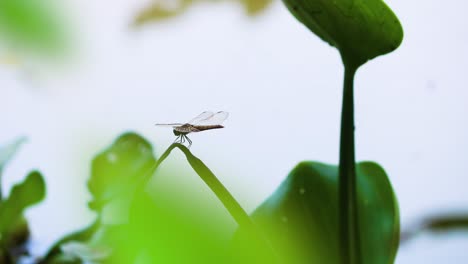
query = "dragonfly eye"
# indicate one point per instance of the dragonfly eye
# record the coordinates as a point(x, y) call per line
point(177, 133)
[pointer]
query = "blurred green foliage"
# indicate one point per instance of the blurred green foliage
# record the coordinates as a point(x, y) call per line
point(119, 168)
point(14, 230)
point(157, 226)
point(448, 222)
point(33, 26)
point(299, 220)
point(158, 12)
point(22, 195)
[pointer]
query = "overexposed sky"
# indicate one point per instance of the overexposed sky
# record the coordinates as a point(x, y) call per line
point(282, 87)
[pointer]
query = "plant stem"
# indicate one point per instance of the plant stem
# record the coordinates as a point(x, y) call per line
point(348, 211)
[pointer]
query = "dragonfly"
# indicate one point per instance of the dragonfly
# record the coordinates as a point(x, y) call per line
point(205, 121)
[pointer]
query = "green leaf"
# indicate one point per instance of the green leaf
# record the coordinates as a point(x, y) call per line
point(117, 169)
point(360, 29)
point(301, 217)
point(31, 191)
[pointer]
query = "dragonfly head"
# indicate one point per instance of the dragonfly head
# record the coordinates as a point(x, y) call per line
point(177, 133)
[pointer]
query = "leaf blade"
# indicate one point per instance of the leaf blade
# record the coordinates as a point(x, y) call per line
point(360, 30)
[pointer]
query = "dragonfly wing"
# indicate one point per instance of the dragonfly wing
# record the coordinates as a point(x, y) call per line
point(203, 116)
point(213, 120)
point(169, 125)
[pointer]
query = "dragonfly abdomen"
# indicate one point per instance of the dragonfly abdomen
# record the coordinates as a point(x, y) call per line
point(201, 128)
point(188, 128)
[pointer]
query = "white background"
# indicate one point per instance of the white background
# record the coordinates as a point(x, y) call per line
point(282, 87)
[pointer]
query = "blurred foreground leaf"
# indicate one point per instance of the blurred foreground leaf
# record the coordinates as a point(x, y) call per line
point(254, 7)
point(157, 11)
point(6, 153)
point(360, 29)
point(12, 223)
point(115, 174)
point(23, 195)
point(117, 169)
point(14, 230)
point(164, 224)
point(32, 25)
point(301, 217)
point(184, 226)
point(55, 254)
point(166, 228)
point(85, 252)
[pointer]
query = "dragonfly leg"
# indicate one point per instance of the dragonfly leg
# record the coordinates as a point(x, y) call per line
point(189, 141)
point(177, 140)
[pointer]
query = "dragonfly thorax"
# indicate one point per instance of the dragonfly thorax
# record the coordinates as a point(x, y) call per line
point(184, 129)
point(178, 133)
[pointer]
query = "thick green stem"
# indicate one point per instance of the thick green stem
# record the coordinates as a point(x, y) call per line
point(348, 210)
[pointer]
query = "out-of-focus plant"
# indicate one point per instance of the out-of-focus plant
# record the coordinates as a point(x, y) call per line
point(34, 27)
point(115, 173)
point(162, 10)
point(161, 229)
point(440, 223)
point(14, 230)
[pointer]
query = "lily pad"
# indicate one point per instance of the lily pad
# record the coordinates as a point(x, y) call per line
point(301, 217)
